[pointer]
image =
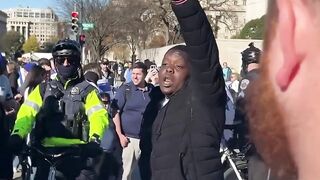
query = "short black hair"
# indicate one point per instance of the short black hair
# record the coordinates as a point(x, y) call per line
point(93, 67)
point(44, 61)
point(105, 62)
point(140, 65)
point(91, 76)
point(182, 50)
point(105, 95)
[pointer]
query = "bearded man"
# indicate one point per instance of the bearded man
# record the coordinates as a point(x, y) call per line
point(283, 110)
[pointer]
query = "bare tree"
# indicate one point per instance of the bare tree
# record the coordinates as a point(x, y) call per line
point(164, 16)
point(134, 29)
point(149, 16)
point(223, 10)
point(105, 17)
point(137, 24)
point(224, 13)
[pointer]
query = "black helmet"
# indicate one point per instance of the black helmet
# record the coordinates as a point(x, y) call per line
point(250, 55)
point(67, 47)
point(70, 50)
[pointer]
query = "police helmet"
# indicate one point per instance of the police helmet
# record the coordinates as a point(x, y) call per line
point(67, 48)
point(251, 55)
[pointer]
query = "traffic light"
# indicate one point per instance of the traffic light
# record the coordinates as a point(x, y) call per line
point(82, 39)
point(74, 21)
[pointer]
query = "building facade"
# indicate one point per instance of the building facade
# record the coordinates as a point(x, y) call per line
point(3, 23)
point(255, 9)
point(227, 18)
point(42, 23)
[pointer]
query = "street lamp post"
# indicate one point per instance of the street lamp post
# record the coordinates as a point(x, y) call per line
point(83, 56)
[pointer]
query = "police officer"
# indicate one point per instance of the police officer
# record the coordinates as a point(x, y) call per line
point(250, 65)
point(67, 113)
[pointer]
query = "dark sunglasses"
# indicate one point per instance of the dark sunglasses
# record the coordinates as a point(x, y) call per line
point(105, 102)
point(71, 60)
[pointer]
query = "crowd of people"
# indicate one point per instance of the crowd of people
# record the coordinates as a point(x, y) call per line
point(168, 122)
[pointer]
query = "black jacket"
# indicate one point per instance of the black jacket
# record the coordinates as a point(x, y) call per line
point(4, 128)
point(13, 79)
point(187, 131)
point(242, 132)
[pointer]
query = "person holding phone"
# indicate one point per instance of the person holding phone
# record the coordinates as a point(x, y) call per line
point(152, 76)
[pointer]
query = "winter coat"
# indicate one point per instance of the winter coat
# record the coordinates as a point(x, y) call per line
point(187, 130)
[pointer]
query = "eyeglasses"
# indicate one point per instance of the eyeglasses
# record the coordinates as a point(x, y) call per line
point(105, 102)
point(70, 59)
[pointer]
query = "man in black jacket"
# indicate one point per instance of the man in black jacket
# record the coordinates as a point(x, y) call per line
point(6, 156)
point(187, 130)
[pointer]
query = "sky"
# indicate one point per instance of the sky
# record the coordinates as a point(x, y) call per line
point(6, 4)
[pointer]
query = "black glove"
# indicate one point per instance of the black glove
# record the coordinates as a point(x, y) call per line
point(16, 143)
point(92, 149)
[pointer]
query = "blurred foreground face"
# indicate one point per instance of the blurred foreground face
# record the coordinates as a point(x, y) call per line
point(283, 104)
point(267, 124)
point(173, 73)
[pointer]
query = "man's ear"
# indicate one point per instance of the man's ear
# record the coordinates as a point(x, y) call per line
point(287, 29)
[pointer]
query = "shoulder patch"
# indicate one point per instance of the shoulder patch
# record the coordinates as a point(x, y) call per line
point(75, 91)
point(244, 84)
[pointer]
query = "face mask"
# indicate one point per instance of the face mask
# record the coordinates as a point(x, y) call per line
point(67, 72)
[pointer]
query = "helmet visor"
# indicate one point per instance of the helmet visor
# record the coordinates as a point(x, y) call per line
point(72, 60)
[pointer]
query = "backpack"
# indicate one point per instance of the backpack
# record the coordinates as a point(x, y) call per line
point(127, 94)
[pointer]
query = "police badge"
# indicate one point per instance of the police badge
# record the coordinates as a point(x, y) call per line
point(244, 84)
point(75, 91)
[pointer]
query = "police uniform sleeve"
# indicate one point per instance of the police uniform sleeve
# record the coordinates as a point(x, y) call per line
point(97, 115)
point(27, 113)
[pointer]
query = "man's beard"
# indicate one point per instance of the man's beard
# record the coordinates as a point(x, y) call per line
point(267, 127)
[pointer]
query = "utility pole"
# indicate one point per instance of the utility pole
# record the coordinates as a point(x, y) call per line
point(83, 55)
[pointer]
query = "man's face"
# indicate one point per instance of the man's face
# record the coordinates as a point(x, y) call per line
point(225, 65)
point(233, 77)
point(46, 67)
point(173, 73)
point(103, 67)
point(106, 102)
point(267, 124)
point(137, 76)
point(67, 66)
point(48, 71)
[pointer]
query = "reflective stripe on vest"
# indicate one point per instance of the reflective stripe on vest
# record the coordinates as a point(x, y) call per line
point(60, 142)
point(94, 109)
point(33, 105)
